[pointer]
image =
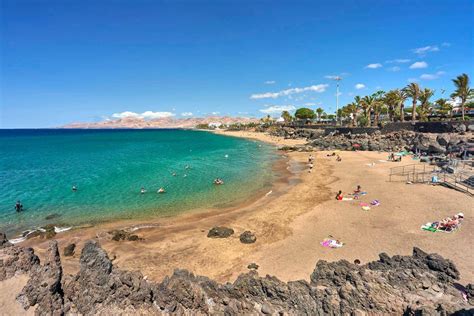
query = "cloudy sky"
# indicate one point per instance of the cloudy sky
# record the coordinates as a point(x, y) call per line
point(69, 61)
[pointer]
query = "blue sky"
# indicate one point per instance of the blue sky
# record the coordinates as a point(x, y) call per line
point(68, 61)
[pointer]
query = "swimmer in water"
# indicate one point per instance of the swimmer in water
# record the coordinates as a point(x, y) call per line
point(161, 190)
point(18, 206)
point(142, 190)
point(74, 188)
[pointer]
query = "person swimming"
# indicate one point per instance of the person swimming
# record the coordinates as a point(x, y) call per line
point(74, 188)
point(18, 206)
point(161, 190)
point(174, 174)
point(218, 181)
point(142, 190)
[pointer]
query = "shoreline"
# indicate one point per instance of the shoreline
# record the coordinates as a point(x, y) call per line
point(287, 166)
point(290, 226)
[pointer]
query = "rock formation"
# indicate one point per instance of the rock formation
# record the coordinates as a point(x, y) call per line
point(400, 285)
point(220, 232)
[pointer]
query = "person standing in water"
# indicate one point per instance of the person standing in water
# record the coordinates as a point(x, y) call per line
point(18, 206)
point(74, 188)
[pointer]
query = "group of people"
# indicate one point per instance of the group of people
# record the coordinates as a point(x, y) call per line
point(449, 223)
point(392, 157)
point(160, 190)
point(357, 192)
point(338, 158)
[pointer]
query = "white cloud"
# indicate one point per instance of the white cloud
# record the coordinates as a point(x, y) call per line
point(432, 76)
point(418, 65)
point(270, 82)
point(145, 115)
point(426, 49)
point(277, 109)
point(445, 44)
point(332, 77)
point(412, 80)
point(310, 104)
point(398, 61)
point(394, 68)
point(315, 88)
point(373, 66)
point(360, 86)
point(187, 114)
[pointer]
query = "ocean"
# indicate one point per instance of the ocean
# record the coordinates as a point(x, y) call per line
point(109, 168)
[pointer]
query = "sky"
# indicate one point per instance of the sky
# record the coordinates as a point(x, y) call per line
point(87, 61)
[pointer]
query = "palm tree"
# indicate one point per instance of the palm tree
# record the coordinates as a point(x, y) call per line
point(463, 91)
point(378, 107)
point(367, 104)
point(391, 101)
point(444, 107)
point(351, 110)
point(425, 104)
point(413, 91)
point(286, 116)
point(319, 111)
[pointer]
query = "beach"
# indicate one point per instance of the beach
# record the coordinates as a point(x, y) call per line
point(291, 221)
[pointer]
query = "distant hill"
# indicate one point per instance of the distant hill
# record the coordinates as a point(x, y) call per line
point(132, 122)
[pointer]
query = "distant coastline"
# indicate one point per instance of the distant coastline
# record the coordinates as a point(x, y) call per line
point(141, 123)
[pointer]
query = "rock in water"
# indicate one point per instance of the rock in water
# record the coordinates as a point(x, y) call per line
point(69, 250)
point(220, 232)
point(248, 237)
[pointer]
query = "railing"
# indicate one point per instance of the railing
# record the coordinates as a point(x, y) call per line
point(421, 173)
point(458, 181)
point(416, 173)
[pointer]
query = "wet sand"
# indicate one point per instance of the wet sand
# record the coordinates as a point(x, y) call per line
point(291, 222)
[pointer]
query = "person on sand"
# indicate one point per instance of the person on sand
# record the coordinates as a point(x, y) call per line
point(358, 189)
point(310, 159)
point(161, 190)
point(339, 196)
point(18, 206)
point(338, 158)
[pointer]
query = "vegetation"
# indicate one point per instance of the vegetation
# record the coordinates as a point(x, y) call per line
point(390, 106)
point(463, 91)
point(287, 116)
point(305, 113)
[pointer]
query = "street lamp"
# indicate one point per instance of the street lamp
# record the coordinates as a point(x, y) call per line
point(337, 78)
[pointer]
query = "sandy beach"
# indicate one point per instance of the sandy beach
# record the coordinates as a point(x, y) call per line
point(292, 220)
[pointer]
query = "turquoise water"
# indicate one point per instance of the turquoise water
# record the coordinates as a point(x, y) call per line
point(39, 167)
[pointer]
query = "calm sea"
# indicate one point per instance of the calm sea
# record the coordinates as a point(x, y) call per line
point(108, 167)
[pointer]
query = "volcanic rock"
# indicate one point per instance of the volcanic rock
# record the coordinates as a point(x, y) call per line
point(220, 232)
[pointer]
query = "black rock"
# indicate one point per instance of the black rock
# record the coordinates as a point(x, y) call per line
point(220, 232)
point(69, 250)
point(248, 237)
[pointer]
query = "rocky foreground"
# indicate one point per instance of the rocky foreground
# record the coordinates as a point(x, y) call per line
point(410, 285)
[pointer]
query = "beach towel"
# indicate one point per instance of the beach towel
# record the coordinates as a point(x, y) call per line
point(366, 208)
point(363, 204)
point(331, 243)
point(347, 199)
point(428, 227)
point(375, 203)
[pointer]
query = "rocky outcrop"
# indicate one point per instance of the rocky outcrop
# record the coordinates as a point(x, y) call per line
point(437, 144)
point(98, 285)
point(4, 241)
point(220, 232)
point(44, 289)
point(400, 285)
point(15, 260)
